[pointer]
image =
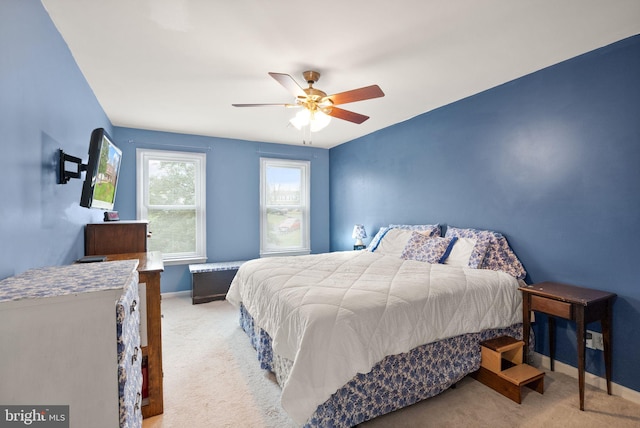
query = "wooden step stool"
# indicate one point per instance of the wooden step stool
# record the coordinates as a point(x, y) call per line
point(503, 371)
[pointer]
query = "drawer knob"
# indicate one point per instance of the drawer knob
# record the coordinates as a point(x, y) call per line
point(133, 306)
point(134, 357)
point(138, 397)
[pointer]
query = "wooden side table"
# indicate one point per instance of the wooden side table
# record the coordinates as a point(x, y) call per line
point(578, 304)
point(149, 269)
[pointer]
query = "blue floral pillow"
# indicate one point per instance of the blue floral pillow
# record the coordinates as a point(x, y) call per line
point(501, 257)
point(433, 229)
point(428, 249)
point(373, 245)
point(483, 238)
point(491, 251)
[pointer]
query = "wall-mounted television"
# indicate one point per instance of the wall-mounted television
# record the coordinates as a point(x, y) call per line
point(103, 168)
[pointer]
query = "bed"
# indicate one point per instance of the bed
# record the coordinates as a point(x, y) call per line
point(355, 334)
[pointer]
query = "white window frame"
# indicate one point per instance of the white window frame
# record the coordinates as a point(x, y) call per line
point(143, 157)
point(305, 168)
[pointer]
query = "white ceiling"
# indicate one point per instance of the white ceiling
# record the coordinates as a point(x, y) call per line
point(178, 65)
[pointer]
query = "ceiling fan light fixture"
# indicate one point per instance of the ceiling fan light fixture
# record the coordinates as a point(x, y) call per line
point(319, 120)
point(316, 120)
point(301, 119)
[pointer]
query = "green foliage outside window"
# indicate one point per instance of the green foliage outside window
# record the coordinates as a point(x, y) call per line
point(172, 213)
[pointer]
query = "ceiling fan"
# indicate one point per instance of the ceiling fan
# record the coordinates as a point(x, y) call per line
point(316, 104)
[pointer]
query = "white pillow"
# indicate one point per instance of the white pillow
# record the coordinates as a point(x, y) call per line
point(461, 252)
point(394, 241)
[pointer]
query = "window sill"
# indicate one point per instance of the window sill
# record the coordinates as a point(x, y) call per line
point(184, 261)
point(286, 253)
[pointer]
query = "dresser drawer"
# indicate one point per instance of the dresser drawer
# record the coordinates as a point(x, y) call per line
point(129, 358)
point(128, 323)
point(130, 392)
point(551, 307)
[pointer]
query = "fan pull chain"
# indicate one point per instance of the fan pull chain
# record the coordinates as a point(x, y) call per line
point(306, 135)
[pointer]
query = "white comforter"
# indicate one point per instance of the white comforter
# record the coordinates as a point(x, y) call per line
point(337, 314)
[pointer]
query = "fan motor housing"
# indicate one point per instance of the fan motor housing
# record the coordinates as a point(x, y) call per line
point(315, 94)
point(311, 76)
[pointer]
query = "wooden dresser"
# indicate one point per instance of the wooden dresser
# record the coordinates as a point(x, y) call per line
point(115, 237)
point(150, 267)
point(127, 240)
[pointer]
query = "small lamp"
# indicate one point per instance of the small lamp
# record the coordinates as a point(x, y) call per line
point(358, 234)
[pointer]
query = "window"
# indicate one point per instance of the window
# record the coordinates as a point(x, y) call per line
point(171, 196)
point(284, 207)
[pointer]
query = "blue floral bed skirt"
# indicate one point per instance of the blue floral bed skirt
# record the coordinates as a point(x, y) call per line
point(395, 382)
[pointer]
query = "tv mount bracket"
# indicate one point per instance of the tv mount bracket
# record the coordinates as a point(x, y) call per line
point(64, 175)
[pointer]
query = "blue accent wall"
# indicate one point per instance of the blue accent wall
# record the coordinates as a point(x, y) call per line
point(551, 160)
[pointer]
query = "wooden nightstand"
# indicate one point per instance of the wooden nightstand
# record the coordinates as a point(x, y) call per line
point(578, 304)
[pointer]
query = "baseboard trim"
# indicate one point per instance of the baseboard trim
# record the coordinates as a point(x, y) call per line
point(589, 378)
point(184, 293)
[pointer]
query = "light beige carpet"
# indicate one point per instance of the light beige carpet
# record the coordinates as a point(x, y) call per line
point(212, 379)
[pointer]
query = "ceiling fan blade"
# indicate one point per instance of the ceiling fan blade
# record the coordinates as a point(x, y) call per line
point(289, 84)
point(265, 105)
point(354, 95)
point(346, 115)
